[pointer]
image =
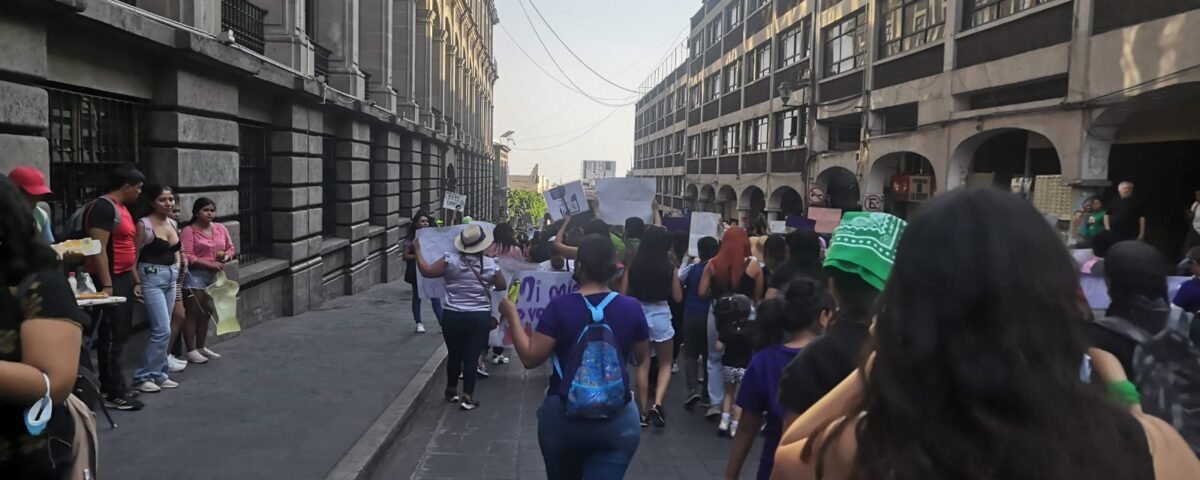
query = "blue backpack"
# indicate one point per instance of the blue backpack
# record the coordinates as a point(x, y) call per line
point(597, 390)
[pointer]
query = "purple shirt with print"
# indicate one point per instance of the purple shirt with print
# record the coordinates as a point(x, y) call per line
point(566, 316)
point(758, 393)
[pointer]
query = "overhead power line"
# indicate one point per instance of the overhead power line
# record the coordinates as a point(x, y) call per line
point(577, 137)
point(600, 100)
point(572, 52)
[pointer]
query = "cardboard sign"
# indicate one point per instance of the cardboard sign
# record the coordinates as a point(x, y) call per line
point(779, 226)
point(435, 244)
point(534, 290)
point(704, 224)
point(622, 198)
point(454, 201)
point(565, 200)
point(826, 219)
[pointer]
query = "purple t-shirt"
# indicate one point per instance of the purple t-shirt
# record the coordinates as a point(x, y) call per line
point(758, 393)
point(566, 316)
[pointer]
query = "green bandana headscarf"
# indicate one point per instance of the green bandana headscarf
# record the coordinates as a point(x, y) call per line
point(864, 244)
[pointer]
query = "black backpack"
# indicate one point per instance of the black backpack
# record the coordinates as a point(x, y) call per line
point(76, 226)
point(1166, 371)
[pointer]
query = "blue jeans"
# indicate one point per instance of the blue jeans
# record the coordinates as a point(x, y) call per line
point(158, 294)
point(716, 386)
point(575, 449)
point(416, 306)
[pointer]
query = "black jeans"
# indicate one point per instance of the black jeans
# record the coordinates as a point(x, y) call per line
point(115, 327)
point(695, 350)
point(466, 335)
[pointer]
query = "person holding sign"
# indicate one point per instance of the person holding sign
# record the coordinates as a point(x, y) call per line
point(466, 308)
point(651, 279)
point(421, 220)
point(586, 436)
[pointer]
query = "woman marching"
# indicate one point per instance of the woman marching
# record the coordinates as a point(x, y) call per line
point(421, 220)
point(651, 279)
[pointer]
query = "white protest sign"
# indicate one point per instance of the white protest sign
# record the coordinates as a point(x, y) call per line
point(454, 201)
point(704, 224)
point(565, 200)
point(535, 291)
point(435, 244)
point(622, 198)
point(778, 226)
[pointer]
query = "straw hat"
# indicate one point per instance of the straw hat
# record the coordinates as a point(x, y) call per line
point(472, 239)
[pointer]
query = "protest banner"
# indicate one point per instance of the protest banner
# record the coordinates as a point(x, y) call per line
point(677, 224)
point(704, 224)
point(827, 218)
point(622, 198)
point(565, 200)
point(534, 291)
point(454, 201)
point(779, 226)
point(435, 244)
point(800, 222)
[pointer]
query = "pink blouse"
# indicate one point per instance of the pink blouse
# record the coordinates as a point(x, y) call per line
point(198, 245)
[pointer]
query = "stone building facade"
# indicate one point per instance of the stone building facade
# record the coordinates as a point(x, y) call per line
point(318, 126)
point(881, 103)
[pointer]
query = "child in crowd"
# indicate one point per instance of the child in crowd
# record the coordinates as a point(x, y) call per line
point(735, 341)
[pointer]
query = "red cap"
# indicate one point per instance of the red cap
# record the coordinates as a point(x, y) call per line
point(31, 180)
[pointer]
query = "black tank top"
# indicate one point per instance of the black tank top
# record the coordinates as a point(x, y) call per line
point(159, 252)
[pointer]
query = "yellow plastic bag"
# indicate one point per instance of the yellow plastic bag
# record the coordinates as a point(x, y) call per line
point(223, 294)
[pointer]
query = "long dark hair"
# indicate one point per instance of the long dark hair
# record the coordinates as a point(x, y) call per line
point(412, 229)
point(651, 270)
point(804, 253)
point(199, 205)
point(796, 309)
point(22, 249)
point(978, 344)
point(596, 261)
point(505, 237)
point(150, 193)
point(775, 251)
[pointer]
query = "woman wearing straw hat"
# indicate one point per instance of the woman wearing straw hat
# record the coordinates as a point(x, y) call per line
point(466, 307)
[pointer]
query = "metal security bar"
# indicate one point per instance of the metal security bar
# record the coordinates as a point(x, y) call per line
point(321, 60)
point(246, 21)
point(254, 193)
point(89, 137)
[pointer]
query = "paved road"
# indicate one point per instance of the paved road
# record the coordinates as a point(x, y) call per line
point(287, 401)
point(499, 440)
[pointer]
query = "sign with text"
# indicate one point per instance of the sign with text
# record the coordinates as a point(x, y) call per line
point(454, 201)
point(622, 198)
point(827, 218)
point(435, 244)
point(534, 291)
point(704, 224)
point(565, 200)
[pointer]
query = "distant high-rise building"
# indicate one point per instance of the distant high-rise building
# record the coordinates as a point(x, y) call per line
point(594, 169)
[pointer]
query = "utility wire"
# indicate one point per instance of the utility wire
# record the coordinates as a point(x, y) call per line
point(577, 137)
point(572, 52)
point(602, 101)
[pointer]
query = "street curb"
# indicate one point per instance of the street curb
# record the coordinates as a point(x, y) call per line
point(362, 457)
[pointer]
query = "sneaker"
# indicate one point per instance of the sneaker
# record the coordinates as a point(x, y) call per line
point(209, 353)
point(500, 359)
point(723, 428)
point(733, 429)
point(655, 415)
point(468, 404)
point(420, 328)
point(692, 400)
point(452, 396)
point(147, 387)
point(645, 422)
point(123, 402)
point(674, 368)
point(195, 356)
point(504, 359)
point(713, 413)
point(482, 371)
point(175, 365)
point(168, 384)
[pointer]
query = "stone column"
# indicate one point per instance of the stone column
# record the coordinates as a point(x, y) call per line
point(201, 14)
point(296, 204)
point(423, 65)
point(378, 43)
point(283, 31)
point(352, 154)
point(383, 250)
point(404, 62)
point(439, 79)
point(24, 109)
point(411, 172)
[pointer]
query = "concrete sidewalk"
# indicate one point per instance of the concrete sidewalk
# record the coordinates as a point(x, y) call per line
point(288, 400)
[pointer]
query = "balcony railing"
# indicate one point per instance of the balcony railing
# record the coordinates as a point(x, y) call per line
point(321, 60)
point(246, 21)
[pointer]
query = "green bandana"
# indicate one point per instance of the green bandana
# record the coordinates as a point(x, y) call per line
point(864, 244)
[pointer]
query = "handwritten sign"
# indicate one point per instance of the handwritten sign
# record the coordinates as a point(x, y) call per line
point(778, 226)
point(454, 201)
point(565, 200)
point(827, 218)
point(622, 198)
point(534, 292)
point(435, 244)
point(704, 224)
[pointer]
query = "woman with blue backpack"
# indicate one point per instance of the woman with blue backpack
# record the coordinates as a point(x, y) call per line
point(588, 425)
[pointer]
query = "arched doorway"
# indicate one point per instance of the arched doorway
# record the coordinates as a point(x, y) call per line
point(707, 199)
point(451, 179)
point(727, 203)
point(691, 197)
point(785, 201)
point(1008, 158)
point(754, 202)
point(904, 180)
point(841, 188)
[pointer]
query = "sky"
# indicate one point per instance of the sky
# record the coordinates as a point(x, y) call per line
point(623, 40)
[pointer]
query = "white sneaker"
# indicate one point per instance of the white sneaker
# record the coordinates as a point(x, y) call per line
point(505, 360)
point(723, 428)
point(147, 387)
point(168, 384)
point(175, 365)
point(500, 359)
point(420, 328)
point(209, 353)
point(195, 356)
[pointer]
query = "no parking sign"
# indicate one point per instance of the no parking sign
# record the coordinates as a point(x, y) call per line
point(816, 196)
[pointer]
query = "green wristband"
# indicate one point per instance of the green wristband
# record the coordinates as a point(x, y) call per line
point(1124, 393)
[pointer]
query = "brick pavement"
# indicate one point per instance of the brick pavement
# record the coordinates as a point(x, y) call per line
point(499, 440)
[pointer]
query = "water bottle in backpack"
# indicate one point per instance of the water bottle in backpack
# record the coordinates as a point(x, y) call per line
point(597, 388)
